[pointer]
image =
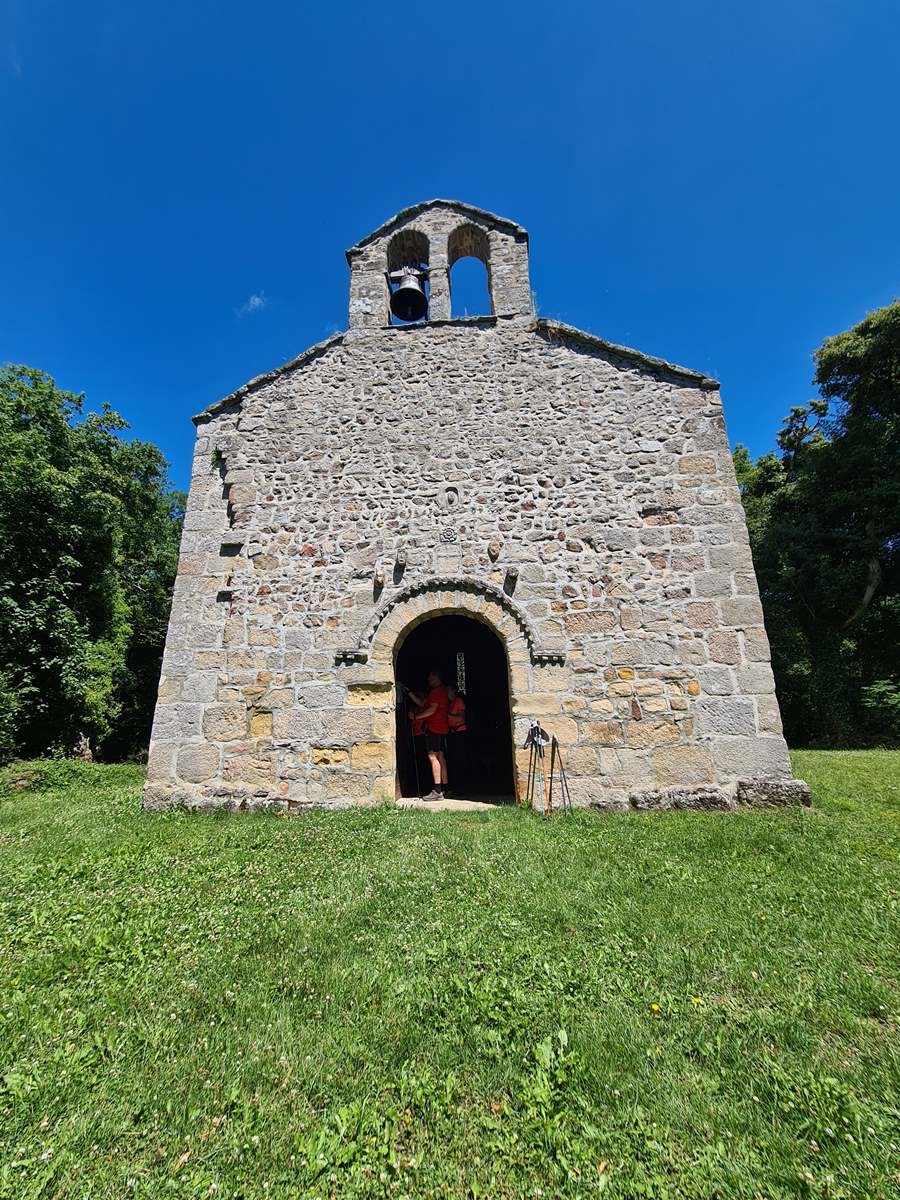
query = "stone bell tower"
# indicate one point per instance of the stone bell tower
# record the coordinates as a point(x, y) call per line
point(551, 520)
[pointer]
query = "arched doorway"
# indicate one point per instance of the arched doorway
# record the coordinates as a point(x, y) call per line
point(464, 652)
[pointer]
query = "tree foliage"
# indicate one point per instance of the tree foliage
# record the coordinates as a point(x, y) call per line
point(90, 530)
point(824, 518)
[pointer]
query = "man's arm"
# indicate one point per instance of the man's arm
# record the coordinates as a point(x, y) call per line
point(426, 712)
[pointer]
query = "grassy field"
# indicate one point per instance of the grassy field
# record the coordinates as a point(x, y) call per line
point(386, 1003)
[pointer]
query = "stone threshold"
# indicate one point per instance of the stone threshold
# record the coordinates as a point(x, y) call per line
point(449, 804)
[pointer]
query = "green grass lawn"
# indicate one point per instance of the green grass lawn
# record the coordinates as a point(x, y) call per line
point(387, 1003)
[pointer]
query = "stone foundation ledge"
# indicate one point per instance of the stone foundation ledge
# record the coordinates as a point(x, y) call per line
point(158, 797)
point(773, 792)
point(708, 797)
point(754, 793)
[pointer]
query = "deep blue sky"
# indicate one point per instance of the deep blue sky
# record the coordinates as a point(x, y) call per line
point(715, 183)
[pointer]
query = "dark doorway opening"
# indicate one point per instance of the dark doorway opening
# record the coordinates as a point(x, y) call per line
point(466, 653)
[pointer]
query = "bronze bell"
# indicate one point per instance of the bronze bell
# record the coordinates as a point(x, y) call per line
point(408, 300)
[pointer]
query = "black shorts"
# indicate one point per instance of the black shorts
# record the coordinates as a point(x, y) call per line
point(435, 741)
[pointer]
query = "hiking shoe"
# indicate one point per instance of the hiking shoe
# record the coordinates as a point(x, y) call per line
point(433, 795)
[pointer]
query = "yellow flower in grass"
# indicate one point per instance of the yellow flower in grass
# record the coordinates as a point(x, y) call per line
point(655, 1008)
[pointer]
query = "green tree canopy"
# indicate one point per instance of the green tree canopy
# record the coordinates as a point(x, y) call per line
point(824, 518)
point(90, 531)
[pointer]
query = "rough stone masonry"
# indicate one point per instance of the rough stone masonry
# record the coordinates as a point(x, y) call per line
point(576, 496)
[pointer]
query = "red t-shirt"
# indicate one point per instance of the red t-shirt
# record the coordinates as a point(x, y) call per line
point(418, 727)
point(437, 722)
point(458, 709)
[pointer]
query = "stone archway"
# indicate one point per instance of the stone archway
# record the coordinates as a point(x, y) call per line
point(469, 656)
point(368, 666)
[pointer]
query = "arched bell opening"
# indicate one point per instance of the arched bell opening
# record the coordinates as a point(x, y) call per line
point(408, 276)
point(468, 261)
point(469, 655)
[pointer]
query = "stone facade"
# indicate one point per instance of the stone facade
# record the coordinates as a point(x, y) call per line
point(576, 496)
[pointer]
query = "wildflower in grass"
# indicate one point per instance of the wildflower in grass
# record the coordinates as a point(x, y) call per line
point(696, 999)
point(655, 1008)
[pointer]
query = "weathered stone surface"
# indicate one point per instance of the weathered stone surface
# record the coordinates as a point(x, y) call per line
point(196, 764)
point(565, 729)
point(697, 464)
point(225, 722)
point(157, 796)
point(742, 611)
point(169, 689)
point(731, 716)
point(261, 725)
point(755, 679)
point(595, 792)
point(549, 679)
point(327, 518)
point(329, 756)
point(603, 733)
point(651, 733)
point(321, 694)
point(773, 792)
point(724, 646)
point(701, 614)
point(756, 645)
point(377, 695)
point(339, 726)
point(255, 769)
point(200, 686)
point(161, 762)
point(176, 722)
point(768, 716)
point(682, 798)
point(589, 622)
point(744, 757)
point(346, 785)
point(534, 704)
point(679, 765)
point(581, 760)
point(372, 756)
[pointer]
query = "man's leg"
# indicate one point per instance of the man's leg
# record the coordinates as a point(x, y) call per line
point(435, 758)
point(442, 769)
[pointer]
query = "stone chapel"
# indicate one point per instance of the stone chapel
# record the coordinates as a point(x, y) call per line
point(549, 519)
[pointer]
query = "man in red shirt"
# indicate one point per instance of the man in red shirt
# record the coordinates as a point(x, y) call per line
point(433, 709)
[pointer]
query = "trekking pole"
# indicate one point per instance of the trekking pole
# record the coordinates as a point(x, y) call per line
point(564, 785)
point(556, 755)
point(547, 790)
point(412, 744)
point(553, 745)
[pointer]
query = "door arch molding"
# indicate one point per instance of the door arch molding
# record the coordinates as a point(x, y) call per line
point(409, 606)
